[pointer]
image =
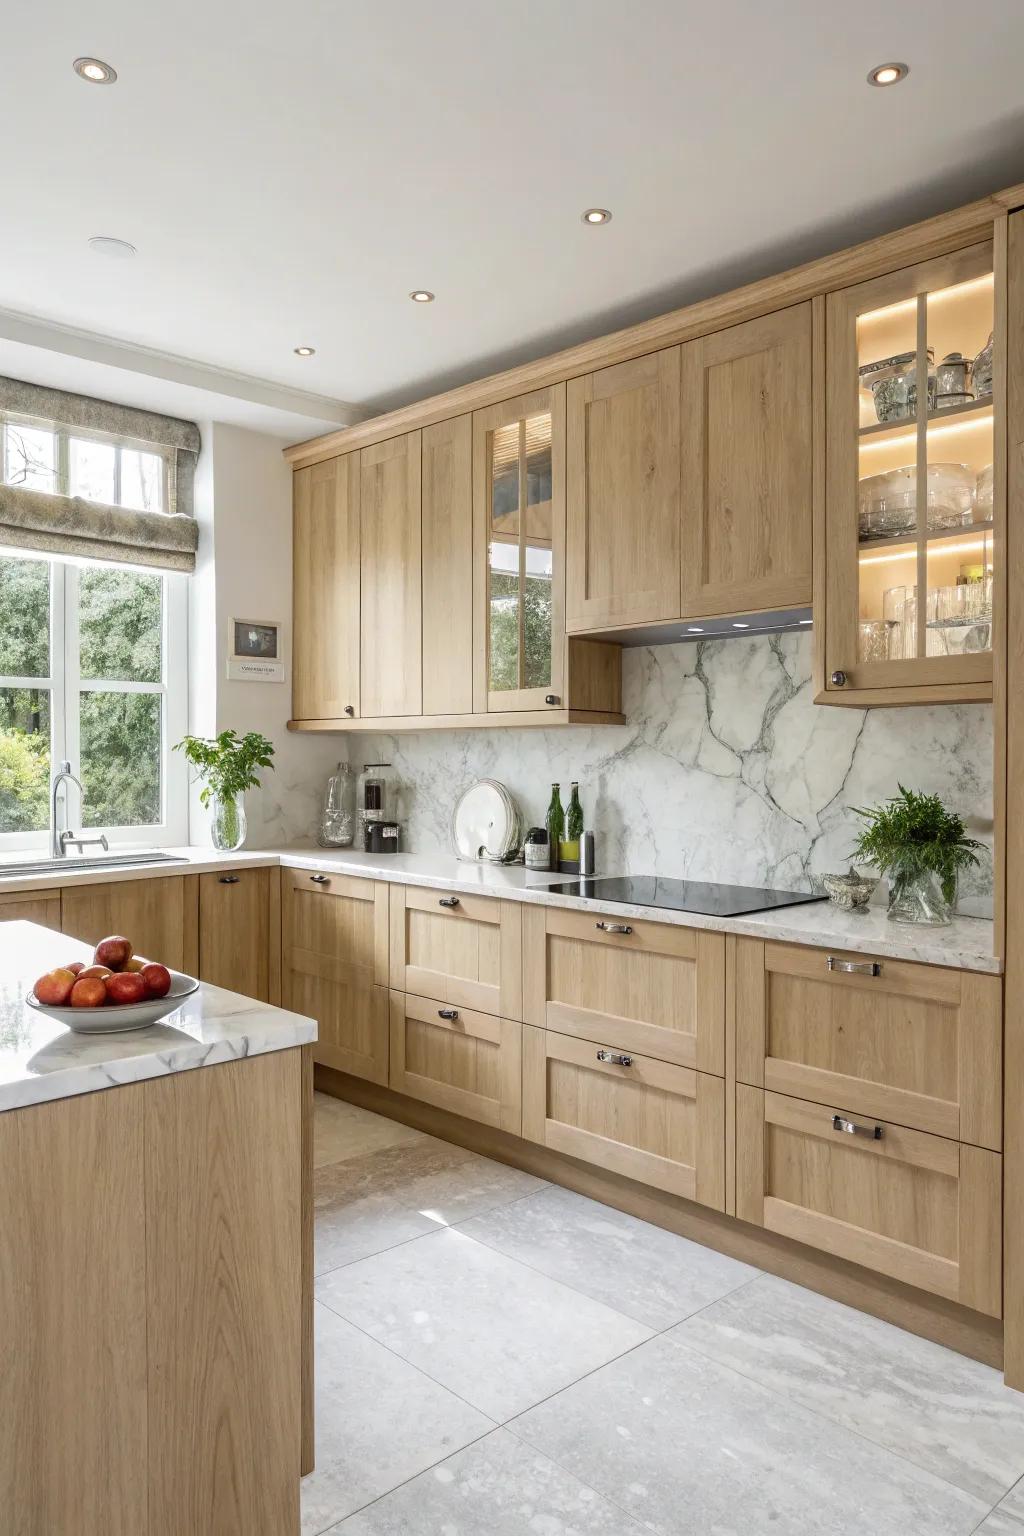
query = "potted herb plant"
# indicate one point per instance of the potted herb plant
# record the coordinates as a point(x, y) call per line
point(921, 847)
point(227, 766)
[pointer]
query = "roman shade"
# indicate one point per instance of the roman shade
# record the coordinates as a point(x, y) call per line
point(54, 523)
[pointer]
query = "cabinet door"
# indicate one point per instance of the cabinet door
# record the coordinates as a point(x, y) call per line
point(448, 567)
point(519, 552)
point(648, 1120)
point(234, 931)
point(42, 907)
point(334, 967)
point(153, 913)
point(325, 590)
point(906, 583)
point(459, 949)
point(654, 988)
point(923, 1209)
point(391, 665)
point(917, 1044)
point(622, 551)
point(747, 396)
point(465, 1062)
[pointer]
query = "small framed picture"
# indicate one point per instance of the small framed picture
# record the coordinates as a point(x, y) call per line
point(256, 653)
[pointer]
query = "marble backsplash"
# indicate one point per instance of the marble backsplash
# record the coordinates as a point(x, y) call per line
point(726, 771)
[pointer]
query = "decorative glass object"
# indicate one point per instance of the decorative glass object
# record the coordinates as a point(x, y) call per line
point(893, 385)
point(920, 896)
point(228, 822)
point(983, 370)
point(338, 813)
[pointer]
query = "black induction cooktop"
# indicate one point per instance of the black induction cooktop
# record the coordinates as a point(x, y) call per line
point(682, 895)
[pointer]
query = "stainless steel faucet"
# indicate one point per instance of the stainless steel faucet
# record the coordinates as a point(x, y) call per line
point(59, 840)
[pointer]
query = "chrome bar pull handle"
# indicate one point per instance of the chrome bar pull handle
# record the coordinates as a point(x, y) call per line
point(447, 1013)
point(320, 879)
point(854, 967)
point(228, 879)
point(851, 1128)
point(448, 901)
point(614, 927)
point(615, 1058)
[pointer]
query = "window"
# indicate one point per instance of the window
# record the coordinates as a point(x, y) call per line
point(92, 670)
point(73, 461)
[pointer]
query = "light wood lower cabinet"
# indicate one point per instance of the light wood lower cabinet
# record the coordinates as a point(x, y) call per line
point(238, 948)
point(158, 914)
point(916, 1044)
point(648, 1120)
point(42, 907)
point(655, 989)
point(335, 967)
point(465, 950)
point(466, 1062)
point(921, 1208)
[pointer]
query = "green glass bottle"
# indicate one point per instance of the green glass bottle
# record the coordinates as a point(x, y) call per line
point(555, 823)
point(569, 851)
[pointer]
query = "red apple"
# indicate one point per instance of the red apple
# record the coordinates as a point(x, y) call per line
point(157, 978)
point(135, 963)
point(114, 951)
point(54, 988)
point(75, 967)
point(125, 987)
point(88, 992)
point(90, 971)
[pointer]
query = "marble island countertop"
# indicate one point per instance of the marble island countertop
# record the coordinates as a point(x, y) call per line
point(41, 1060)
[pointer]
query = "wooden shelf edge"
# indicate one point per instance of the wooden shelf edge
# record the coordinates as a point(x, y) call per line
point(928, 693)
point(523, 719)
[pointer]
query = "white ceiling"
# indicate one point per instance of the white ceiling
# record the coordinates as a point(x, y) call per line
point(289, 172)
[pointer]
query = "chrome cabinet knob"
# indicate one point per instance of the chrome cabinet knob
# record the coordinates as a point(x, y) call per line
point(320, 879)
point(447, 1013)
point(839, 678)
point(851, 1128)
point(615, 1058)
point(349, 709)
point(614, 927)
point(228, 879)
point(448, 901)
point(552, 698)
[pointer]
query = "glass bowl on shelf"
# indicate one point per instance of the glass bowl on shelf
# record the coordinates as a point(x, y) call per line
point(878, 640)
point(887, 503)
point(984, 499)
point(892, 382)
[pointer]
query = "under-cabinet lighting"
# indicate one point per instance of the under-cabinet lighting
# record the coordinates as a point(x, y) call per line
point(888, 74)
point(805, 621)
point(596, 216)
point(966, 423)
point(95, 71)
point(694, 629)
point(737, 625)
point(304, 351)
point(422, 296)
point(910, 553)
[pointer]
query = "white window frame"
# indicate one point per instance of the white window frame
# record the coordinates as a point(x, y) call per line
point(62, 455)
point(65, 684)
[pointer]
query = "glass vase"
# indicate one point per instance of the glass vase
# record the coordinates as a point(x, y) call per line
point(917, 896)
point(227, 823)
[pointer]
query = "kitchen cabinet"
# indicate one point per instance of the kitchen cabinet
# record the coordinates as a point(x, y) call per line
point(916, 1044)
point(41, 907)
point(325, 583)
point(907, 584)
point(623, 542)
point(747, 441)
point(447, 539)
point(391, 603)
point(458, 1059)
point(655, 988)
point(238, 947)
point(457, 949)
point(923, 1209)
point(334, 967)
point(649, 1120)
point(158, 914)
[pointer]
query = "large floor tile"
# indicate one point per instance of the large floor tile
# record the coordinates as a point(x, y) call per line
point(691, 1447)
point(1013, 1504)
point(999, 1523)
point(343, 1130)
point(641, 1270)
point(495, 1332)
point(497, 1487)
point(372, 1202)
point(948, 1414)
point(379, 1421)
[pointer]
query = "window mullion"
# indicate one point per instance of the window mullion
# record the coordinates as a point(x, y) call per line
point(71, 679)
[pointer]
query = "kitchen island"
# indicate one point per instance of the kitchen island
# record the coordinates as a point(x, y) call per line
point(154, 1280)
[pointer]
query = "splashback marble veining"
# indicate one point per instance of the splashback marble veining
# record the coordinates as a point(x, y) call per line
point(726, 771)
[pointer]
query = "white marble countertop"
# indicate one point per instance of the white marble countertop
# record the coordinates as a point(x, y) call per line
point(41, 1060)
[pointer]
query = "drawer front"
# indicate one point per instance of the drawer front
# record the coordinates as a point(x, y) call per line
point(916, 1044)
point(657, 990)
point(466, 1062)
point(335, 967)
point(920, 1208)
point(464, 950)
point(649, 1120)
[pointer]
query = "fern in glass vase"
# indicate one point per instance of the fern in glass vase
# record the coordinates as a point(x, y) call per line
point(226, 765)
point(921, 848)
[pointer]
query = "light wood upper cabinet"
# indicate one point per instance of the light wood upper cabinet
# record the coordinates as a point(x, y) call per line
point(157, 914)
point(623, 543)
point(325, 586)
point(448, 567)
point(391, 605)
point(747, 406)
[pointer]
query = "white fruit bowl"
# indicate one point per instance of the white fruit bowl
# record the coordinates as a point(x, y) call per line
point(115, 1018)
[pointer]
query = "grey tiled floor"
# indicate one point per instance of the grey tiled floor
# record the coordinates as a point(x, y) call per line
point(498, 1356)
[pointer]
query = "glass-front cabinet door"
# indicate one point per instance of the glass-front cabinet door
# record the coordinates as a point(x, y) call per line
point(519, 511)
point(913, 503)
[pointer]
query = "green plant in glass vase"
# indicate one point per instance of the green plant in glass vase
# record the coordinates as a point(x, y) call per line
point(226, 765)
point(921, 848)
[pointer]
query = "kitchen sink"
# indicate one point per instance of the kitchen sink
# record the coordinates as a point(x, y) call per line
point(28, 865)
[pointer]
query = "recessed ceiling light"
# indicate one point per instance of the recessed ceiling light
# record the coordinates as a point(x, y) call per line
point(694, 629)
point(740, 626)
point(422, 296)
point(596, 216)
point(95, 71)
point(888, 74)
point(304, 351)
point(107, 245)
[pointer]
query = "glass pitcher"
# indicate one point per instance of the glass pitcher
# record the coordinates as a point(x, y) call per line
point(338, 815)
